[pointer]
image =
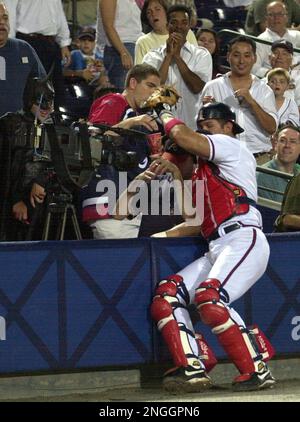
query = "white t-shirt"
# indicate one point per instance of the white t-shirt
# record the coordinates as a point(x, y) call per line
point(127, 23)
point(255, 137)
point(45, 17)
point(199, 61)
point(237, 165)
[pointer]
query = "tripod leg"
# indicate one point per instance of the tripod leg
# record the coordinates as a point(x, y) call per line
point(47, 226)
point(33, 224)
point(75, 223)
point(63, 225)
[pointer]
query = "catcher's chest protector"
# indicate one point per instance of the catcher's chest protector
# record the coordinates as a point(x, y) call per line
point(220, 197)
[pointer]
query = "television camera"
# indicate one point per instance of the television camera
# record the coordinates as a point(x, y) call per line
point(68, 155)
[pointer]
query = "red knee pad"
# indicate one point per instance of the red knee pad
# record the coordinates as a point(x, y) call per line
point(207, 291)
point(213, 314)
point(169, 285)
point(207, 299)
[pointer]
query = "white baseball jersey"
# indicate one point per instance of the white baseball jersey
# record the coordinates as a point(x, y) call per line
point(237, 165)
point(237, 259)
point(289, 111)
point(294, 91)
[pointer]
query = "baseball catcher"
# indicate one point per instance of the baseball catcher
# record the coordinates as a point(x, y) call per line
point(237, 257)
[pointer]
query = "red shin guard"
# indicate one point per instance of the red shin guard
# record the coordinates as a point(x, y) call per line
point(205, 353)
point(263, 344)
point(234, 344)
point(161, 312)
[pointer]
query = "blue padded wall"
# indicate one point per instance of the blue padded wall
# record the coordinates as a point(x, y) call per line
point(85, 304)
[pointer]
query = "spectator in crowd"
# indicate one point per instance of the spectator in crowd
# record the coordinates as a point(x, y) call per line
point(84, 62)
point(276, 22)
point(251, 99)
point(85, 73)
point(289, 218)
point(278, 80)
point(18, 63)
point(154, 16)
point(282, 56)
point(182, 64)
point(196, 21)
point(190, 4)
point(256, 16)
point(42, 23)
point(118, 28)
point(287, 148)
point(120, 110)
point(208, 38)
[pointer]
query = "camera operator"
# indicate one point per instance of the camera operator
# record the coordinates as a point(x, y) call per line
point(27, 194)
point(121, 111)
point(18, 64)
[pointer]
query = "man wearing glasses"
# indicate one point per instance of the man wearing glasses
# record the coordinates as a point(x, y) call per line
point(276, 29)
point(287, 147)
point(256, 16)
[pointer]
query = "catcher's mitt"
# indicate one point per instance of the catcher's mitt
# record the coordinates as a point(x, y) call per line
point(163, 97)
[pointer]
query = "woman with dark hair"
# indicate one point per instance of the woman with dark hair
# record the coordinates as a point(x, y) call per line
point(154, 20)
point(208, 38)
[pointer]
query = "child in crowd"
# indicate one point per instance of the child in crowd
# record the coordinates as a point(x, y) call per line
point(279, 79)
point(84, 62)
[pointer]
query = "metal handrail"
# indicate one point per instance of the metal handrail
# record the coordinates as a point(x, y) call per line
point(268, 203)
point(273, 172)
point(252, 37)
point(276, 173)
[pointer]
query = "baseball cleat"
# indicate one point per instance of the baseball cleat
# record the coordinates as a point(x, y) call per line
point(186, 380)
point(254, 381)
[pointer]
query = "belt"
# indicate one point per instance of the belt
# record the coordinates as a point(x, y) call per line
point(228, 229)
point(36, 35)
point(259, 154)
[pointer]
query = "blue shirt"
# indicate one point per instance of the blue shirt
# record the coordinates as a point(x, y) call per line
point(273, 182)
point(79, 60)
point(18, 62)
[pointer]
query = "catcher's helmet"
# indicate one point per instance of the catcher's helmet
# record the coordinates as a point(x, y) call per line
point(219, 111)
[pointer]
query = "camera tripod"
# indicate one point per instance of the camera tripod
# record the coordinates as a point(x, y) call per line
point(61, 205)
